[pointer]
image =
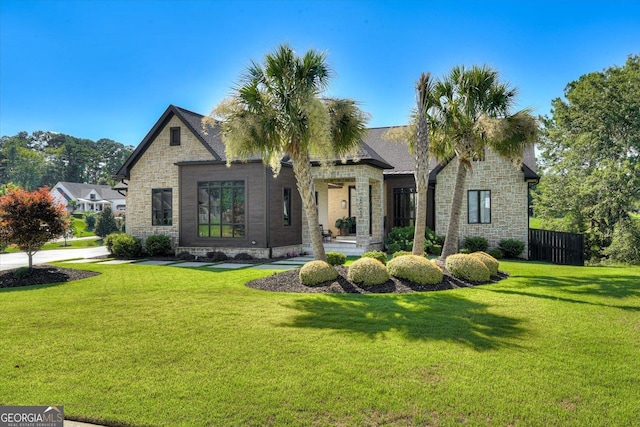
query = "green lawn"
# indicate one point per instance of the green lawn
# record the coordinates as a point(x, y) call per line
point(166, 346)
point(71, 244)
point(81, 228)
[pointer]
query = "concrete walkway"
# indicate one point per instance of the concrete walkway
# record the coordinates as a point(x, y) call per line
point(20, 259)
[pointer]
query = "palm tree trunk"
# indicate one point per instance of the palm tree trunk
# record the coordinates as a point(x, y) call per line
point(304, 183)
point(451, 239)
point(421, 176)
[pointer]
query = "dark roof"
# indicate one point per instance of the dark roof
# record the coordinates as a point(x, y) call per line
point(81, 191)
point(375, 149)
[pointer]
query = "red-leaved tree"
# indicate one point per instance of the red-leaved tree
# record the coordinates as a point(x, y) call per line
point(31, 218)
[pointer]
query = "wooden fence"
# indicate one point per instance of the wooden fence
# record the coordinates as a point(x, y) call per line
point(556, 247)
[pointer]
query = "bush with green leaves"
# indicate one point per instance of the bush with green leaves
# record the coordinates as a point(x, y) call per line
point(415, 268)
point(401, 253)
point(90, 220)
point(336, 258)
point(316, 272)
point(496, 253)
point(625, 245)
point(467, 267)
point(106, 223)
point(368, 272)
point(158, 245)
point(380, 256)
point(476, 244)
point(436, 250)
point(123, 245)
point(464, 251)
point(401, 239)
point(511, 248)
point(490, 262)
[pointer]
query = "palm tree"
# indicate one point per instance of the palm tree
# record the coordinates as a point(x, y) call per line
point(277, 111)
point(472, 111)
point(424, 87)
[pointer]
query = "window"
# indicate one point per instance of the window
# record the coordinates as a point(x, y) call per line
point(221, 209)
point(175, 136)
point(286, 207)
point(479, 202)
point(404, 207)
point(161, 206)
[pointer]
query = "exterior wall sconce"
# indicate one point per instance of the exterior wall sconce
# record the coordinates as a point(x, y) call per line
point(343, 204)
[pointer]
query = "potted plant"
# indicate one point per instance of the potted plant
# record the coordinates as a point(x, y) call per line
point(345, 224)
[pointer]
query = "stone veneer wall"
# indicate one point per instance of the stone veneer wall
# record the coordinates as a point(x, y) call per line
point(156, 169)
point(255, 252)
point(363, 175)
point(509, 201)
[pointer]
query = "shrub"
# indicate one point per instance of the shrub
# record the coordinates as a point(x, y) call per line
point(22, 272)
point(316, 272)
point(475, 244)
point(467, 267)
point(401, 239)
point(90, 220)
point(392, 248)
point(336, 258)
point(401, 253)
point(464, 251)
point(490, 262)
point(368, 272)
point(185, 256)
point(511, 248)
point(436, 250)
point(125, 246)
point(217, 256)
point(416, 269)
point(496, 253)
point(158, 245)
point(380, 256)
point(625, 246)
point(108, 241)
point(106, 223)
point(243, 256)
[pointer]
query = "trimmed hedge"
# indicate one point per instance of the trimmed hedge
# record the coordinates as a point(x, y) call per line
point(511, 248)
point(490, 262)
point(158, 245)
point(380, 256)
point(475, 244)
point(368, 272)
point(336, 258)
point(316, 272)
point(467, 267)
point(123, 245)
point(416, 269)
point(401, 253)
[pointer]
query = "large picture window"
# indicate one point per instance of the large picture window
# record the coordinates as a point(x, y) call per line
point(479, 203)
point(161, 206)
point(404, 207)
point(286, 207)
point(221, 209)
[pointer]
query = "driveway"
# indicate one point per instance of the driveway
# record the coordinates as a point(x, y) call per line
point(20, 259)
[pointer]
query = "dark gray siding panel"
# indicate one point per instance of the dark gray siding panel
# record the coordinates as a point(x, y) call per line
point(254, 175)
point(281, 235)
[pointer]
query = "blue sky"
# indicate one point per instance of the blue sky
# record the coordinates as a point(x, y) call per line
point(108, 69)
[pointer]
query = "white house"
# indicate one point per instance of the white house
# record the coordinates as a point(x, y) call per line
point(88, 197)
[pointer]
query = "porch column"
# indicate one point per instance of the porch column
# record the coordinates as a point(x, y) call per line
point(362, 210)
point(377, 205)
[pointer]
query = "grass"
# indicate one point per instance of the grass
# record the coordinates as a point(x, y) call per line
point(71, 244)
point(165, 346)
point(81, 227)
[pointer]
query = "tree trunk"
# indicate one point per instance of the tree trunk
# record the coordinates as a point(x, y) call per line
point(451, 239)
point(421, 177)
point(304, 183)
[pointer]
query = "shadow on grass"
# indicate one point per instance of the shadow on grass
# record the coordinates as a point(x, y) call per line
point(415, 317)
point(595, 285)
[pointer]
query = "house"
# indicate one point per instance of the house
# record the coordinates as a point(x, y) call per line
point(88, 197)
point(178, 184)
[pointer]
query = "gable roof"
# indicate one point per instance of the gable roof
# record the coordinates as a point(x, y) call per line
point(77, 190)
point(209, 136)
point(397, 154)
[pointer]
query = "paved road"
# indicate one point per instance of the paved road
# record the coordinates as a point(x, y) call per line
point(20, 259)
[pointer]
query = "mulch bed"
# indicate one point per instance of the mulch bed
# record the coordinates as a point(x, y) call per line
point(41, 275)
point(289, 281)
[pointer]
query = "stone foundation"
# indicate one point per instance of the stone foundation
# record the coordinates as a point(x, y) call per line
point(254, 252)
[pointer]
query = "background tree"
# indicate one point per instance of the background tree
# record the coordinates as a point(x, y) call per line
point(278, 110)
point(471, 112)
point(106, 223)
point(590, 154)
point(31, 218)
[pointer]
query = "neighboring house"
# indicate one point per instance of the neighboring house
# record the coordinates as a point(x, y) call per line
point(178, 184)
point(88, 197)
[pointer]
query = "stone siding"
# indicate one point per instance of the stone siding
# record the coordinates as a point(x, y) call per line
point(509, 200)
point(254, 252)
point(156, 169)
